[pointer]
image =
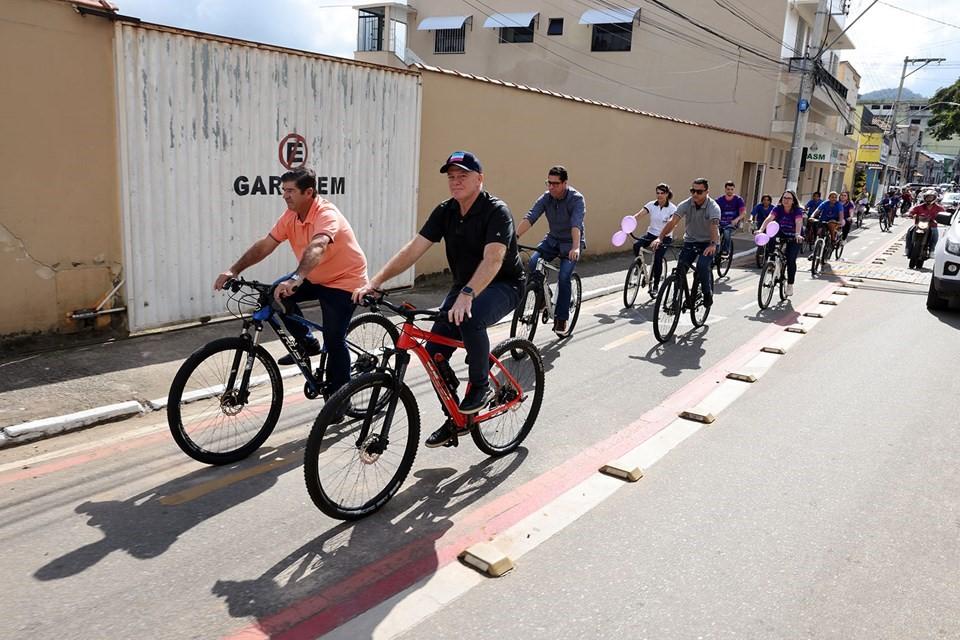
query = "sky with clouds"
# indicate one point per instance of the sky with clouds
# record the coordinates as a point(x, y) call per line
point(883, 37)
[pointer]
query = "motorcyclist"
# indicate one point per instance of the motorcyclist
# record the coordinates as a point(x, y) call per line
point(926, 210)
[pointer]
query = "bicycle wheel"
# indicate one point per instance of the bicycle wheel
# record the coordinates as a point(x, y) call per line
point(369, 334)
point(698, 310)
point(576, 297)
point(817, 262)
point(504, 432)
point(766, 285)
point(667, 308)
point(526, 317)
point(724, 260)
point(636, 278)
point(838, 250)
point(350, 472)
point(884, 222)
point(224, 425)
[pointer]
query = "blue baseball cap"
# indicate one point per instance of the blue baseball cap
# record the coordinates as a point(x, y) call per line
point(463, 159)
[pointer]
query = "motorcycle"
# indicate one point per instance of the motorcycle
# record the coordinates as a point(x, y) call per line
point(919, 251)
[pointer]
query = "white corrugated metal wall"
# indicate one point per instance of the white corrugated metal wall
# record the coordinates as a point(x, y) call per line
point(201, 119)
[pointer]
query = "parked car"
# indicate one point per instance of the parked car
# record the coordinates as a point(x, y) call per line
point(945, 283)
point(950, 201)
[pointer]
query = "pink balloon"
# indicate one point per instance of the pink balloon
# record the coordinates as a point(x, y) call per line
point(618, 238)
point(761, 238)
point(773, 229)
point(628, 224)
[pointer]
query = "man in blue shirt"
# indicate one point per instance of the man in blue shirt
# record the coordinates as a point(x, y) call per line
point(565, 208)
point(732, 212)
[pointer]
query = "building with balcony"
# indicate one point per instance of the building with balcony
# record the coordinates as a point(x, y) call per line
point(731, 66)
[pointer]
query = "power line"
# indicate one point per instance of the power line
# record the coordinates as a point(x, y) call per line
point(920, 15)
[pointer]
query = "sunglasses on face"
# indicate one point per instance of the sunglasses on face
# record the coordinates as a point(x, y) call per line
point(698, 191)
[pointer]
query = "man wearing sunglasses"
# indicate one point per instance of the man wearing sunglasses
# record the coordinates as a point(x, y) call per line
point(564, 207)
point(701, 213)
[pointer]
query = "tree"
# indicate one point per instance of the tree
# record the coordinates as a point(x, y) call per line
point(945, 122)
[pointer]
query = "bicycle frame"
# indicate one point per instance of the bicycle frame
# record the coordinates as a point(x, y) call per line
point(413, 338)
point(542, 267)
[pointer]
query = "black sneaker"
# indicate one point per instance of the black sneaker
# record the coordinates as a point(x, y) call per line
point(442, 437)
point(477, 397)
point(560, 327)
point(311, 349)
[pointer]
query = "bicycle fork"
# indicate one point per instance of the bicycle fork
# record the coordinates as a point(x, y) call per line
point(241, 394)
point(382, 440)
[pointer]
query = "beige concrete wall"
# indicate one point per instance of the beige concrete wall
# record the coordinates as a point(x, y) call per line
point(661, 73)
point(615, 157)
point(60, 244)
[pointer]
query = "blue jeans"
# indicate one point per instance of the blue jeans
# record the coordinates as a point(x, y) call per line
point(550, 251)
point(493, 303)
point(658, 255)
point(726, 238)
point(704, 267)
point(337, 309)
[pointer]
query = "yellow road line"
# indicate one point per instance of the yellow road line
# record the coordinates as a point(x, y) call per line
point(624, 340)
point(216, 484)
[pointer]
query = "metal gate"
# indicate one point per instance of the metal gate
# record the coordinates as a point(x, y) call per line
point(208, 125)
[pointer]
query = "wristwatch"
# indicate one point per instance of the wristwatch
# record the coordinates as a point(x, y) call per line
point(468, 291)
point(296, 277)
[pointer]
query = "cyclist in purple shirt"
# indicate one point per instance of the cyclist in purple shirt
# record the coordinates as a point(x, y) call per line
point(732, 211)
point(789, 215)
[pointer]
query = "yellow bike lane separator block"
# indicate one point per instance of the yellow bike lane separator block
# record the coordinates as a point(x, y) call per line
point(716, 401)
point(486, 558)
point(622, 470)
point(751, 370)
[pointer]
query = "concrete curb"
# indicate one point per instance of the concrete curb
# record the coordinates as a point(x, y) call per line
point(46, 427)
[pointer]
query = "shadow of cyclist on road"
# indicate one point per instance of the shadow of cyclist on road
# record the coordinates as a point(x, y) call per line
point(681, 354)
point(398, 544)
point(147, 524)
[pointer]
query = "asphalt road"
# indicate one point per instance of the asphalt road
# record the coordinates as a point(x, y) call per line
point(113, 532)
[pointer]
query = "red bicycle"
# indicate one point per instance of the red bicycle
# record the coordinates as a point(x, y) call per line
point(365, 439)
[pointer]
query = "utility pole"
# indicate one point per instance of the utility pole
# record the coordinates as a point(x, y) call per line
point(807, 85)
point(896, 105)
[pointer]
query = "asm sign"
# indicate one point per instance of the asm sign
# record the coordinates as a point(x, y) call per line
point(293, 154)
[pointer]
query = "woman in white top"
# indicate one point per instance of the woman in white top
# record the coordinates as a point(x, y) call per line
point(660, 211)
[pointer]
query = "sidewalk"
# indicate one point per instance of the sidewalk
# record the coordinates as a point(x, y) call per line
point(46, 393)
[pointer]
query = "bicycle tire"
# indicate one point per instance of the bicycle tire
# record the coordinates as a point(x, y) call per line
point(668, 305)
point(634, 281)
point(783, 282)
point(698, 310)
point(838, 250)
point(526, 316)
point(766, 284)
point(724, 261)
point(576, 297)
point(363, 333)
point(817, 260)
point(523, 361)
point(884, 222)
point(210, 440)
point(332, 448)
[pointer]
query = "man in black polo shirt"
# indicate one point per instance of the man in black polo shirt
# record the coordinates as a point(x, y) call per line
point(481, 248)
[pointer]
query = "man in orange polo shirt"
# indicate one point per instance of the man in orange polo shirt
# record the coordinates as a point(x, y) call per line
point(332, 266)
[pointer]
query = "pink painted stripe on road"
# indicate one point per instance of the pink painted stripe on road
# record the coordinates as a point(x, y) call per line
point(338, 603)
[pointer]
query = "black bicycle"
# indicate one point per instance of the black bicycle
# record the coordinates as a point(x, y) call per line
point(774, 273)
point(234, 386)
point(723, 257)
point(676, 296)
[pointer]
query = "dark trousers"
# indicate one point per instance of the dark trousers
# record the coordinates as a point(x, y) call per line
point(337, 309)
point(493, 303)
point(792, 249)
point(846, 228)
point(661, 251)
point(704, 267)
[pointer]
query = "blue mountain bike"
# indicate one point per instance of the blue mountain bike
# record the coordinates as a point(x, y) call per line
point(234, 387)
